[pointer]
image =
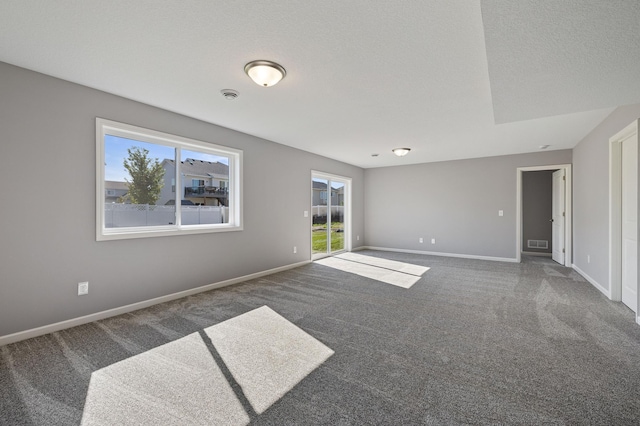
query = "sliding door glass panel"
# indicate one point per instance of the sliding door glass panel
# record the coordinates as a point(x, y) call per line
point(320, 216)
point(336, 216)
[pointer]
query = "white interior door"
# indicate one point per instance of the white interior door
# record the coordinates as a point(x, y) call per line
point(630, 223)
point(558, 216)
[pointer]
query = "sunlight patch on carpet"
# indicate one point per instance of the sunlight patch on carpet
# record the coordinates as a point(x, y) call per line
point(266, 354)
point(391, 272)
point(407, 268)
point(174, 384)
point(184, 382)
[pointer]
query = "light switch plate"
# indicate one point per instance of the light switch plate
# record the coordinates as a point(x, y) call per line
point(83, 288)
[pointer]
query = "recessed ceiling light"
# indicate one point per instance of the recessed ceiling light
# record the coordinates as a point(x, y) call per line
point(374, 155)
point(401, 152)
point(265, 73)
point(544, 146)
point(229, 94)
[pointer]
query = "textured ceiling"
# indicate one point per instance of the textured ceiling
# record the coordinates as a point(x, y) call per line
point(557, 57)
point(363, 77)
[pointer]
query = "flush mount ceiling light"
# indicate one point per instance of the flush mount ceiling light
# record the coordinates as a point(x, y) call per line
point(265, 73)
point(401, 152)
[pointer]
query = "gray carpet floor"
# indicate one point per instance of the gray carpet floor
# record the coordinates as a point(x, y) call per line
point(471, 342)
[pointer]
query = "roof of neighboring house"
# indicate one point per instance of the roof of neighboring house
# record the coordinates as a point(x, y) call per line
point(114, 184)
point(319, 185)
point(202, 168)
point(323, 186)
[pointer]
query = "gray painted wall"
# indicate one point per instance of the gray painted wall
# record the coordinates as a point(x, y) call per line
point(591, 195)
point(536, 208)
point(47, 216)
point(455, 202)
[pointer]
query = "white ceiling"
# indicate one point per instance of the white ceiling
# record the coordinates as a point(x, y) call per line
point(450, 79)
point(559, 57)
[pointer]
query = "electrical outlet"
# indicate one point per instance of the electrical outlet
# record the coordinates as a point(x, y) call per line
point(83, 288)
point(306, 213)
point(500, 212)
point(433, 241)
point(588, 258)
point(358, 238)
point(420, 240)
point(295, 249)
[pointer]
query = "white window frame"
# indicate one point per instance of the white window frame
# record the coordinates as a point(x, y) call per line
point(107, 127)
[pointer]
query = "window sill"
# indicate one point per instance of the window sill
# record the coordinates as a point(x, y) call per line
point(107, 235)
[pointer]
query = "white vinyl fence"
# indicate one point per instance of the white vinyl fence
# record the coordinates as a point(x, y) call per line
point(129, 215)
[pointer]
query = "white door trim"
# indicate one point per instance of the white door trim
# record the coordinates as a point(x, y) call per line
point(558, 215)
point(567, 202)
point(615, 210)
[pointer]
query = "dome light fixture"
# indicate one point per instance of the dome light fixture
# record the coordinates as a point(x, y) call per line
point(401, 152)
point(265, 73)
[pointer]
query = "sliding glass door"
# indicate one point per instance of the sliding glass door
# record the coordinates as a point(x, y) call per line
point(330, 214)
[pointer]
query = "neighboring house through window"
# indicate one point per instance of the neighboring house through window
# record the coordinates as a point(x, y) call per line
point(115, 191)
point(137, 171)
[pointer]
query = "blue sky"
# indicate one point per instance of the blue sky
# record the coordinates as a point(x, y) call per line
point(334, 185)
point(115, 152)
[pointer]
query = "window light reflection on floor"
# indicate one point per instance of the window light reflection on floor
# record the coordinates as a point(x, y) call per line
point(266, 354)
point(176, 383)
point(400, 274)
point(189, 381)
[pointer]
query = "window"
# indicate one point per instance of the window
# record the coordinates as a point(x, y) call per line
point(163, 179)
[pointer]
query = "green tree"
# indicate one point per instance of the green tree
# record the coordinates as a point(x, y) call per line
point(147, 176)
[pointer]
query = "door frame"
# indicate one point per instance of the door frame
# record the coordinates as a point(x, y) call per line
point(562, 219)
point(615, 211)
point(346, 213)
point(568, 247)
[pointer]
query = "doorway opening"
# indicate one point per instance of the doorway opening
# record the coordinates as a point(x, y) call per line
point(561, 217)
point(537, 213)
point(623, 217)
point(330, 214)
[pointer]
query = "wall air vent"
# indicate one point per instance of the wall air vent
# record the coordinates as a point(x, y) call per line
point(539, 244)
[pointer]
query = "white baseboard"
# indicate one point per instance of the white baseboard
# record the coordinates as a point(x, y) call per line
point(46, 329)
point(435, 253)
point(592, 281)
